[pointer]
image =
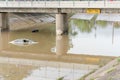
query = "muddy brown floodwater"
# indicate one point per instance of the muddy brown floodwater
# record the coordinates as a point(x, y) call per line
point(84, 49)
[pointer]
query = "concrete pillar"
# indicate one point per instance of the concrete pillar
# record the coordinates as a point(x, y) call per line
point(62, 44)
point(4, 40)
point(61, 24)
point(0, 41)
point(3, 21)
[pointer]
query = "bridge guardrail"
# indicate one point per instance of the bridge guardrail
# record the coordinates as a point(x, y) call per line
point(59, 4)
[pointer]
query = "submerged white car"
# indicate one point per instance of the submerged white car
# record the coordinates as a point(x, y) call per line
point(23, 42)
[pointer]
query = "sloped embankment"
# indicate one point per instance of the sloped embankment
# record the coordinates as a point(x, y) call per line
point(111, 71)
point(24, 21)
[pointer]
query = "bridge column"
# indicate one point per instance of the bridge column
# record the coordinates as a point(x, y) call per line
point(62, 44)
point(4, 40)
point(0, 41)
point(61, 24)
point(3, 21)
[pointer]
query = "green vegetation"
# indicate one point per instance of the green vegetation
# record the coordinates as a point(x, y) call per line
point(116, 24)
point(110, 78)
point(103, 24)
point(85, 25)
point(61, 78)
point(83, 78)
point(110, 69)
point(118, 59)
point(92, 79)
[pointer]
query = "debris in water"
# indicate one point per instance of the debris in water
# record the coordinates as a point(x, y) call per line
point(35, 30)
point(23, 42)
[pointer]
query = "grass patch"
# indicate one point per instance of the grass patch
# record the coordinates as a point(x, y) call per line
point(83, 78)
point(110, 70)
point(61, 78)
point(118, 59)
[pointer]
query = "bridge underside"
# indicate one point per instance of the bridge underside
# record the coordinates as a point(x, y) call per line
point(56, 10)
point(61, 15)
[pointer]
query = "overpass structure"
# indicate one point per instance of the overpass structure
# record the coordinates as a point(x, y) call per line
point(60, 8)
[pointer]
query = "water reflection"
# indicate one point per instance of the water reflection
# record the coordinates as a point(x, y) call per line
point(88, 25)
point(64, 48)
point(67, 59)
point(116, 24)
point(102, 38)
point(40, 37)
point(27, 69)
point(4, 38)
point(62, 44)
point(102, 24)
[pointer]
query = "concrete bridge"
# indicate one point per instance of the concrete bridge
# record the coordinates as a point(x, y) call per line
point(60, 8)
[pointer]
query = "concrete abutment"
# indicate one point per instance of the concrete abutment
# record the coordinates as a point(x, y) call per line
point(4, 21)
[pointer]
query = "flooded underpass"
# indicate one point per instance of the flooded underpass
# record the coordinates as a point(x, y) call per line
point(28, 69)
point(89, 45)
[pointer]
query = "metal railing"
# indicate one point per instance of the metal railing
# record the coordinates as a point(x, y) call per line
point(60, 3)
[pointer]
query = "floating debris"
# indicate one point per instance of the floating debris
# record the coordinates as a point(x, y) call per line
point(23, 42)
point(35, 30)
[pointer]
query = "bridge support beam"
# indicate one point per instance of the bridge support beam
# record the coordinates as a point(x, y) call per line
point(61, 24)
point(4, 21)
